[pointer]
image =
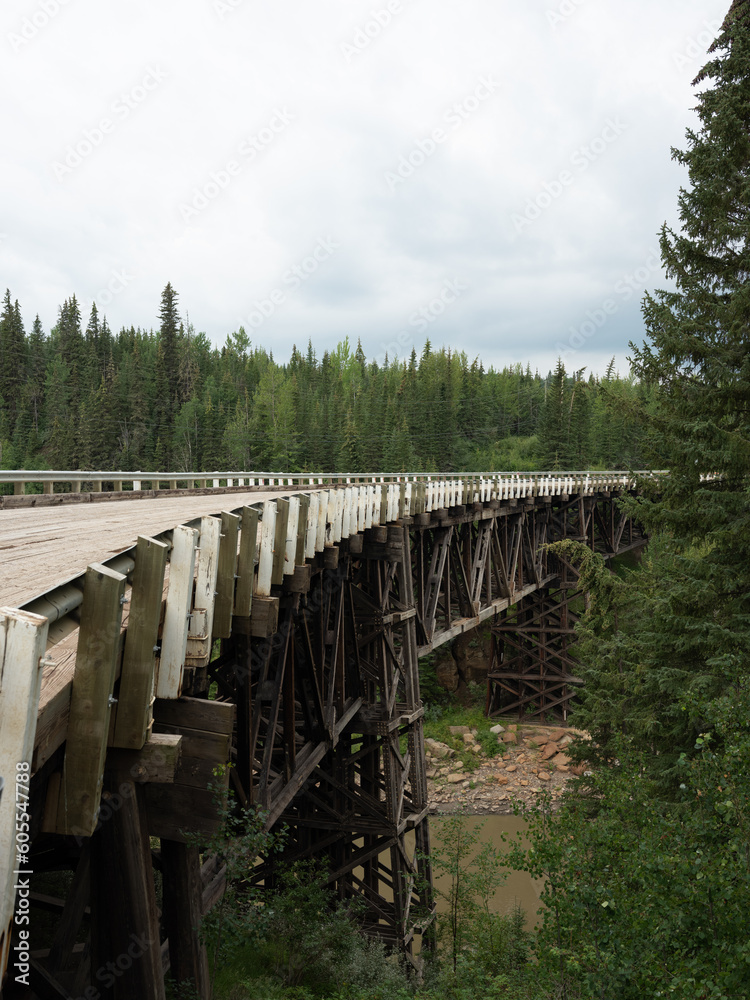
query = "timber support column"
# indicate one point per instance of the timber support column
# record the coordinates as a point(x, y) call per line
point(182, 915)
point(125, 941)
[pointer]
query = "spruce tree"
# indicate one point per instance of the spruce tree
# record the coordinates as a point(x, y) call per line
point(669, 651)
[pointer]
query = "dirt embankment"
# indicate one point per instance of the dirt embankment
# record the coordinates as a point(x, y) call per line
point(534, 760)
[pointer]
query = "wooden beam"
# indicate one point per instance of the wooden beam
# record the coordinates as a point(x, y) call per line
point(156, 761)
point(90, 703)
point(266, 554)
point(197, 713)
point(124, 919)
point(176, 618)
point(183, 910)
point(208, 568)
point(243, 601)
point(225, 580)
point(23, 640)
point(139, 659)
point(280, 542)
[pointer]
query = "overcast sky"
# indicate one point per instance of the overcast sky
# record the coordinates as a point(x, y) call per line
point(489, 173)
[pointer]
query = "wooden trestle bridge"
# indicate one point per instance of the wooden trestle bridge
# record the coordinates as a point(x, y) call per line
point(281, 635)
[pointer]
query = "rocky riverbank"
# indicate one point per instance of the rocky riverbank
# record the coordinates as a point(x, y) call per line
point(534, 760)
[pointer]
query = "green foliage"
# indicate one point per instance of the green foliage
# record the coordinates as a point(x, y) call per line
point(473, 875)
point(168, 398)
point(647, 865)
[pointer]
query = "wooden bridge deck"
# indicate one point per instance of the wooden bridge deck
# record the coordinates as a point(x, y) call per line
point(42, 546)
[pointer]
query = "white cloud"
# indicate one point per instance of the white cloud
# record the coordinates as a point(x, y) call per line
point(227, 69)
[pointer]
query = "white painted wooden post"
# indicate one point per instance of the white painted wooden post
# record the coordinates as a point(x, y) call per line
point(177, 614)
point(346, 512)
point(265, 556)
point(339, 518)
point(312, 525)
point(369, 505)
point(320, 534)
point(292, 530)
point(208, 568)
point(330, 517)
point(23, 640)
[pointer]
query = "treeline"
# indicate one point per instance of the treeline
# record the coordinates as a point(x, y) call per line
point(85, 397)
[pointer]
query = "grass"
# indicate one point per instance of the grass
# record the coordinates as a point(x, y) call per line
point(437, 726)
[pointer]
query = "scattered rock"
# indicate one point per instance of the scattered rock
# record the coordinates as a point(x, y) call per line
point(549, 751)
point(438, 749)
point(545, 776)
point(557, 734)
point(431, 772)
point(561, 758)
point(511, 768)
point(523, 782)
point(459, 730)
point(458, 766)
point(497, 730)
point(510, 737)
point(454, 779)
point(469, 737)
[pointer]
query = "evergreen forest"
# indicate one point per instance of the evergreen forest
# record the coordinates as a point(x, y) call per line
point(169, 400)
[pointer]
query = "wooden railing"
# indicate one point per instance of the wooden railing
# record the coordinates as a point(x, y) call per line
point(491, 485)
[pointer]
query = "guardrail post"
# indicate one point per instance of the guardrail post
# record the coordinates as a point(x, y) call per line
point(23, 640)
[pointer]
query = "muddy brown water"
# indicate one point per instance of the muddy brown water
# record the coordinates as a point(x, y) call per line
point(519, 887)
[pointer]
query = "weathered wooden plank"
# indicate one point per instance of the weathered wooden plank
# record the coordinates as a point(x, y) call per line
point(320, 536)
point(280, 541)
point(157, 760)
point(176, 618)
point(312, 525)
point(23, 639)
point(292, 529)
point(225, 579)
point(197, 713)
point(266, 554)
point(176, 810)
point(208, 568)
point(303, 527)
point(90, 703)
point(243, 601)
point(139, 659)
point(265, 617)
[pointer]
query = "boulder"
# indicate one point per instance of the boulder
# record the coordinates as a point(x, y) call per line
point(557, 734)
point(497, 730)
point(437, 749)
point(447, 675)
point(549, 751)
point(510, 737)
